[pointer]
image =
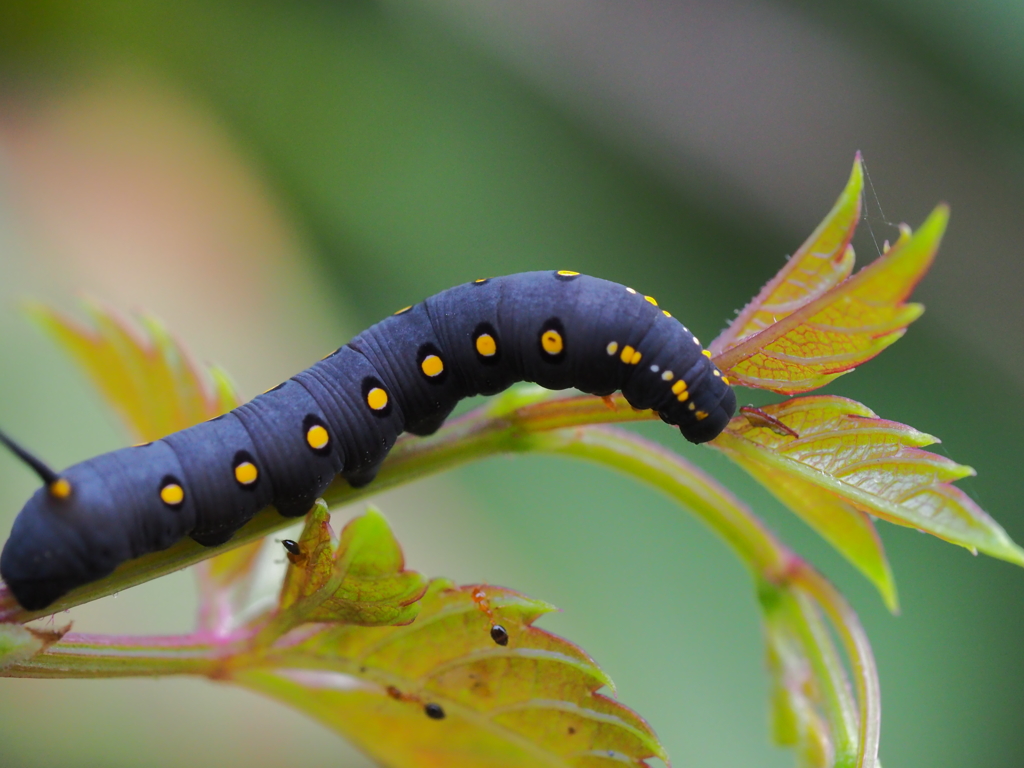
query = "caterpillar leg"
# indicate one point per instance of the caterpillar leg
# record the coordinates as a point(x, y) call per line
point(362, 477)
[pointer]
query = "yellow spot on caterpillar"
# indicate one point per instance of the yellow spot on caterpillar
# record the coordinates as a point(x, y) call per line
point(692, 406)
point(701, 415)
point(652, 300)
point(612, 348)
point(172, 494)
point(627, 353)
point(726, 380)
point(403, 310)
point(717, 373)
point(667, 375)
point(635, 358)
point(679, 386)
point(246, 473)
point(481, 280)
point(666, 313)
point(706, 353)
point(317, 437)
point(432, 366)
point(551, 342)
point(60, 488)
point(485, 345)
point(567, 273)
point(377, 398)
point(631, 290)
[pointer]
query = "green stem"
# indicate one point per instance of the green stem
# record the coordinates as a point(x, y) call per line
point(835, 696)
point(769, 559)
point(682, 481)
point(91, 656)
point(858, 650)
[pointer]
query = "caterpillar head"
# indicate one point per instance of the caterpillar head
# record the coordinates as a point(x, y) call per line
point(715, 406)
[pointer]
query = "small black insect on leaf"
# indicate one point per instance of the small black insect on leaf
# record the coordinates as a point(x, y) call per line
point(499, 634)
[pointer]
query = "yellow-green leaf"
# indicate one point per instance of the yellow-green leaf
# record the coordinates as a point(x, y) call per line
point(842, 328)
point(360, 579)
point(146, 375)
point(824, 260)
point(533, 702)
point(874, 465)
point(312, 567)
point(841, 524)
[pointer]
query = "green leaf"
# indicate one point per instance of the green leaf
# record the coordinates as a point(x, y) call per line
point(874, 465)
point(360, 579)
point(846, 326)
point(146, 375)
point(840, 523)
point(533, 702)
point(824, 260)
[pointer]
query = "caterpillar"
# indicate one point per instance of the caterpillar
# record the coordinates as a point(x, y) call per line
point(559, 329)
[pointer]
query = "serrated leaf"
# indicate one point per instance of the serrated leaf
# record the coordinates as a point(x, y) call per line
point(824, 260)
point(875, 465)
point(147, 376)
point(841, 524)
point(533, 702)
point(359, 579)
point(315, 563)
point(843, 328)
point(154, 386)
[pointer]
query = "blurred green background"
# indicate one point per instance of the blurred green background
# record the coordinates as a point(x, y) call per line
point(271, 177)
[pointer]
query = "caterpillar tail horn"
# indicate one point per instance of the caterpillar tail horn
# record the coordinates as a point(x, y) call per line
point(57, 485)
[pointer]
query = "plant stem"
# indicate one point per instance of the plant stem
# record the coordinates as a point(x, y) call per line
point(862, 660)
point(836, 698)
point(673, 475)
point(92, 656)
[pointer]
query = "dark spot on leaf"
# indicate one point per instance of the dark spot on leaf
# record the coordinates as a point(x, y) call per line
point(434, 711)
point(571, 730)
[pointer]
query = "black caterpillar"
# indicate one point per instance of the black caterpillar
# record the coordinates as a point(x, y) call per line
point(342, 416)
